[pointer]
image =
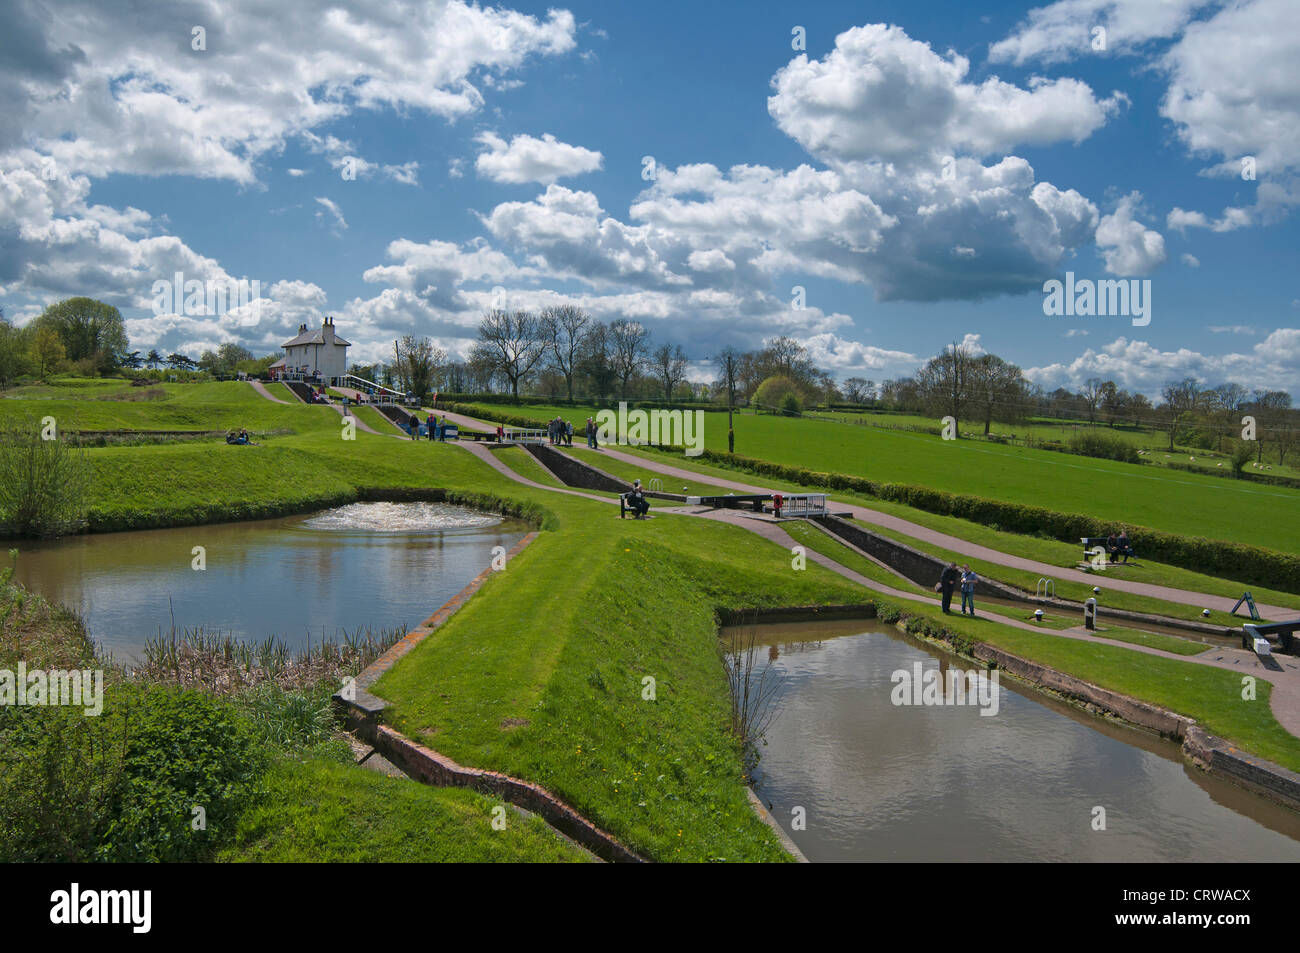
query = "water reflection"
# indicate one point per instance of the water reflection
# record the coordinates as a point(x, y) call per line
point(370, 564)
point(934, 783)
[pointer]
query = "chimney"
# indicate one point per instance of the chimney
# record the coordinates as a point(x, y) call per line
point(327, 330)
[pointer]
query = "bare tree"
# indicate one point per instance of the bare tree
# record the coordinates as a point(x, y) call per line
point(510, 343)
point(1092, 394)
point(944, 382)
point(563, 328)
point(729, 362)
point(629, 343)
point(670, 367)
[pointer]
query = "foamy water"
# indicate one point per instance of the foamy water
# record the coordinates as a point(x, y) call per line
point(400, 518)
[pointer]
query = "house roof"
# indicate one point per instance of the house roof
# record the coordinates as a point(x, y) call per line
point(314, 337)
point(279, 363)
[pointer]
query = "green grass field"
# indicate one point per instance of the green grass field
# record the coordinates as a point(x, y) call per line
point(1126, 493)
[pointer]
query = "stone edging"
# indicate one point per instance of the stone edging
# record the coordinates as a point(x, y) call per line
point(1212, 753)
point(362, 714)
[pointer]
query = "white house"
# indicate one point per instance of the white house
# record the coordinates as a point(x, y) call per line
point(313, 353)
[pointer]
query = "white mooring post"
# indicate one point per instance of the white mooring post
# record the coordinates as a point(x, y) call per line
point(1090, 615)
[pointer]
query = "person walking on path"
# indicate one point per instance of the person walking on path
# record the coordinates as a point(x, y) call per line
point(432, 426)
point(968, 580)
point(591, 433)
point(948, 580)
point(568, 433)
point(415, 427)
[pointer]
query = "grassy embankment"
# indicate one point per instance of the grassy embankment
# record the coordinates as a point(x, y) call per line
point(298, 796)
point(564, 637)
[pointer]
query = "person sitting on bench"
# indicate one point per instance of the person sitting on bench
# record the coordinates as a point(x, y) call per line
point(1122, 545)
point(1112, 548)
point(636, 500)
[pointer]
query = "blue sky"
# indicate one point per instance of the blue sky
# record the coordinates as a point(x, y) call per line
point(503, 148)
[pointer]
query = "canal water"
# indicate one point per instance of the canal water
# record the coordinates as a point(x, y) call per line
point(376, 565)
point(883, 782)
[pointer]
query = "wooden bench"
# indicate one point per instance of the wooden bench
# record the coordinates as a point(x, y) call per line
point(623, 508)
point(1092, 542)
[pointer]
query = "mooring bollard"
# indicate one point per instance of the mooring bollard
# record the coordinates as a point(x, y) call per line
point(1090, 615)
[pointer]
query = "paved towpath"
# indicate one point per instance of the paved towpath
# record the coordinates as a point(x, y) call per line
point(1284, 699)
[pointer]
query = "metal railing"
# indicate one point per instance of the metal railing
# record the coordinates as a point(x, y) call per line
point(803, 504)
point(1045, 587)
point(524, 436)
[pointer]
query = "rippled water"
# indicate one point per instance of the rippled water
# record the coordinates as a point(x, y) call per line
point(400, 518)
point(369, 564)
point(885, 782)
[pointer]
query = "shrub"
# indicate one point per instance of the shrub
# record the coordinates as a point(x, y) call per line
point(775, 392)
point(42, 481)
point(182, 749)
point(1107, 446)
point(122, 786)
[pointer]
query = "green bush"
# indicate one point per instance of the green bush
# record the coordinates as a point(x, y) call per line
point(183, 749)
point(123, 785)
point(1107, 446)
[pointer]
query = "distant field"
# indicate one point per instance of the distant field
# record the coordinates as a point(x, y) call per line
point(1171, 500)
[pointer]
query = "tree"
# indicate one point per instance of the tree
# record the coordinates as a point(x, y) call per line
point(153, 358)
point(729, 363)
point(670, 367)
point(629, 343)
point(1271, 409)
point(859, 391)
point(132, 360)
point(1180, 399)
point(945, 380)
point(414, 362)
point(89, 329)
point(511, 343)
point(563, 328)
point(1092, 393)
point(596, 360)
point(996, 389)
point(15, 353)
point(774, 394)
point(47, 351)
point(1242, 451)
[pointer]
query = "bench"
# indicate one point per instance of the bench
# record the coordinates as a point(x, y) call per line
point(1092, 542)
point(1283, 630)
point(623, 508)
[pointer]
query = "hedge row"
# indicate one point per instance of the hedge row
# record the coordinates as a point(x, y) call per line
point(1253, 565)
